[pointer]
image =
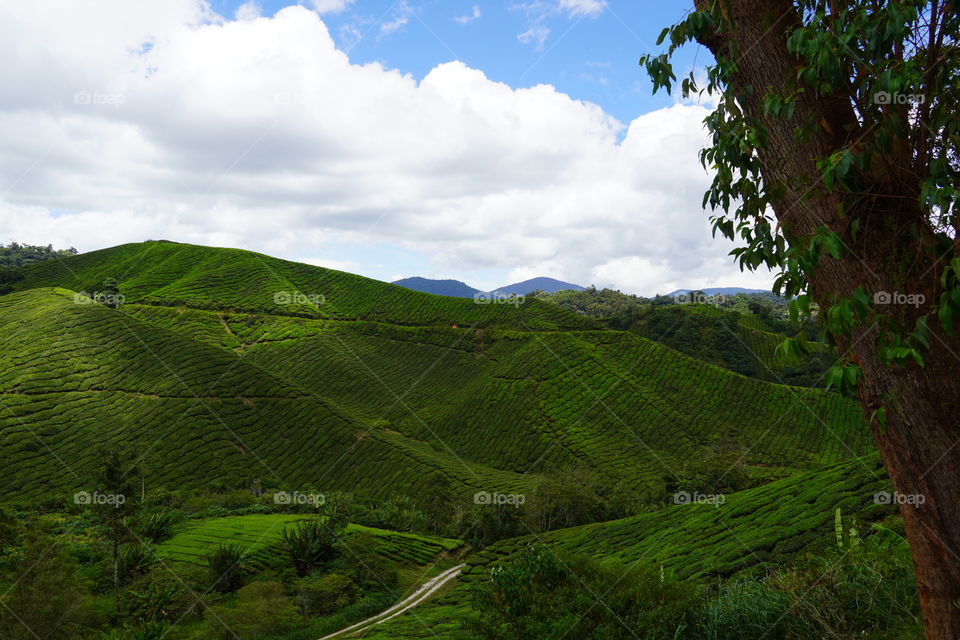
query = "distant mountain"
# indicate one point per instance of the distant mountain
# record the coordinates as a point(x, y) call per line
point(438, 287)
point(463, 290)
point(549, 285)
point(723, 291)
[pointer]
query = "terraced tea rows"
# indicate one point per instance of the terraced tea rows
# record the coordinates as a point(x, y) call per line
point(259, 537)
point(172, 274)
point(75, 378)
point(752, 531)
point(626, 406)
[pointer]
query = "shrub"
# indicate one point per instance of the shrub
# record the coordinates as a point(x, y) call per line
point(310, 546)
point(261, 608)
point(226, 568)
point(324, 594)
point(539, 595)
point(158, 526)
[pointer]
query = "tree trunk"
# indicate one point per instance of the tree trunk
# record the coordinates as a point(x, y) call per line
point(919, 446)
point(116, 577)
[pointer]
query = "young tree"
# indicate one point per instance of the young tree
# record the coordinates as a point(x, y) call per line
point(116, 504)
point(835, 158)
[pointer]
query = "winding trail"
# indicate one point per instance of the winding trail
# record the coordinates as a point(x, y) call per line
point(419, 596)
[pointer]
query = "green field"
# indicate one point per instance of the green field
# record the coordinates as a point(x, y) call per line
point(259, 537)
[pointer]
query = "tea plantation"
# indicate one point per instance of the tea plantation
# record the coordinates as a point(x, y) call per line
point(229, 374)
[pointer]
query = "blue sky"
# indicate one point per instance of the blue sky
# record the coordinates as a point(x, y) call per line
point(588, 57)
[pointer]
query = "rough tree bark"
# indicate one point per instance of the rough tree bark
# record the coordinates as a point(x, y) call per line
point(919, 445)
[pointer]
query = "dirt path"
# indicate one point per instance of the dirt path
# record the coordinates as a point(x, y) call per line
point(419, 596)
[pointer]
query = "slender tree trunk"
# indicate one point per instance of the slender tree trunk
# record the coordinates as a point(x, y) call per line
point(116, 577)
point(920, 445)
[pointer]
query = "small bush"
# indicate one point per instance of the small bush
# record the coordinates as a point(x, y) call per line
point(226, 569)
point(322, 595)
point(261, 608)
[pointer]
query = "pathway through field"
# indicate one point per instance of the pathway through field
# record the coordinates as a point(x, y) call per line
point(419, 596)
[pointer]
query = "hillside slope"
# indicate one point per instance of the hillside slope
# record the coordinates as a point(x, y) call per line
point(183, 275)
point(416, 398)
point(75, 378)
point(751, 532)
point(626, 407)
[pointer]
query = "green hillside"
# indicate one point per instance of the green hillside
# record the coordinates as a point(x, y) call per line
point(184, 275)
point(405, 405)
point(529, 400)
point(180, 370)
point(75, 378)
point(752, 531)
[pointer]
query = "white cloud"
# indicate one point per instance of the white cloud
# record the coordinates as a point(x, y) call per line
point(474, 15)
point(582, 7)
point(261, 134)
point(400, 18)
point(247, 11)
point(537, 34)
point(540, 11)
point(329, 6)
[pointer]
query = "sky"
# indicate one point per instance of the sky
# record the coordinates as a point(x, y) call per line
point(484, 141)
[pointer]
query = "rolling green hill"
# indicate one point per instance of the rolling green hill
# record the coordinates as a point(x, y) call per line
point(218, 383)
point(75, 378)
point(752, 531)
point(183, 275)
point(201, 366)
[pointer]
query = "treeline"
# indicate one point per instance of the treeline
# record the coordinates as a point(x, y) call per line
point(20, 255)
point(15, 256)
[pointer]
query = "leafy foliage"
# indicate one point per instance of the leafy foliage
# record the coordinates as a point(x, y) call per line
point(227, 568)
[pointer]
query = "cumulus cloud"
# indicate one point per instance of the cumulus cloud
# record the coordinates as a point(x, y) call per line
point(261, 134)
